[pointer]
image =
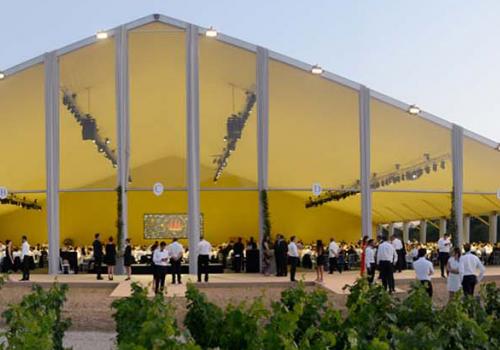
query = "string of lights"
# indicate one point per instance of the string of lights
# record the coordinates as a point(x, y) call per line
point(21, 202)
point(90, 131)
point(410, 172)
point(235, 124)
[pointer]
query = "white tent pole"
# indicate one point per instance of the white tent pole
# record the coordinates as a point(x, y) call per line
point(122, 125)
point(457, 159)
point(466, 228)
point(262, 133)
point(52, 156)
point(406, 231)
point(193, 144)
point(364, 149)
point(442, 227)
point(493, 220)
point(423, 231)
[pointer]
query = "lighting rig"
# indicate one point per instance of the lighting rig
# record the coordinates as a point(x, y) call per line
point(21, 202)
point(410, 172)
point(90, 131)
point(235, 124)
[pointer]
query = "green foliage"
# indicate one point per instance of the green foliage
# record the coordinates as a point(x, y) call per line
point(265, 213)
point(203, 319)
point(119, 219)
point(143, 323)
point(36, 322)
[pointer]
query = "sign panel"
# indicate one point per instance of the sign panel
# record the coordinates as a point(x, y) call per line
point(3, 192)
point(316, 189)
point(158, 188)
point(167, 226)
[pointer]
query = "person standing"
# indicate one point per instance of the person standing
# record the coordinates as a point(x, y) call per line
point(160, 258)
point(370, 260)
point(204, 249)
point(238, 249)
point(333, 252)
point(320, 260)
point(283, 249)
point(110, 257)
point(175, 252)
point(266, 256)
point(8, 260)
point(97, 248)
point(444, 245)
point(424, 270)
point(400, 251)
point(293, 254)
point(453, 283)
point(386, 259)
point(128, 259)
point(277, 255)
point(469, 264)
point(25, 259)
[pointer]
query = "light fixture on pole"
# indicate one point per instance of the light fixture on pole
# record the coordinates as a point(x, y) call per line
point(316, 69)
point(101, 35)
point(414, 110)
point(211, 32)
point(2, 75)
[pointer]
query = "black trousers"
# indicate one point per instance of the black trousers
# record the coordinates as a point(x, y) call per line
point(161, 272)
point(428, 287)
point(25, 267)
point(294, 261)
point(387, 274)
point(176, 270)
point(333, 265)
point(237, 262)
point(370, 272)
point(281, 265)
point(401, 259)
point(97, 265)
point(202, 267)
point(443, 260)
point(468, 284)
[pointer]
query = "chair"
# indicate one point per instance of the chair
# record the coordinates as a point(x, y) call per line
point(64, 266)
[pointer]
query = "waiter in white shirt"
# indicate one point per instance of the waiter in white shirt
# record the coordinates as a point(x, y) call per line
point(204, 250)
point(293, 255)
point(175, 252)
point(398, 246)
point(469, 264)
point(25, 259)
point(424, 270)
point(160, 258)
point(444, 245)
point(370, 260)
point(333, 252)
point(386, 259)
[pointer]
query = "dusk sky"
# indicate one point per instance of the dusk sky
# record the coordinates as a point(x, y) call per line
point(441, 55)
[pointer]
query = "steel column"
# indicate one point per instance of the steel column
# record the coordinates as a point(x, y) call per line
point(458, 169)
point(122, 125)
point(262, 133)
point(466, 224)
point(365, 149)
point(193, 144)
point(406, 232)
point(391, 229)
point(423, 231)
point(442, 227)
point(493, 220)
point(52, 157)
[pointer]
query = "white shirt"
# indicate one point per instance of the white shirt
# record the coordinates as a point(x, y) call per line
point(204, 248)
point(369, 256)
point(333, 249)
point(397, 244)
point(469, 264)
point(25, 249)
point(386, 252)
point(160, 257)
point(423, 269)
point(292, 250)
point(444, 245)
point(175, 250)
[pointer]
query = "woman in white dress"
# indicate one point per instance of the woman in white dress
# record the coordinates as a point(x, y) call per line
point(454, 284)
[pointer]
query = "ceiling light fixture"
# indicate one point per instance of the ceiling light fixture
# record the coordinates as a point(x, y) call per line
point(316, 69)
point(101, 35)
point(414, 110)
point(211, 32)
point(2, 75)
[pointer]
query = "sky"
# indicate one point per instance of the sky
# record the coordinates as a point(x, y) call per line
point(443, 55)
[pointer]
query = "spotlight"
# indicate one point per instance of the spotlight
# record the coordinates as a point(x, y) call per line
point(101, 35)
point(414, 110)
point(2, 75)
point(107, 141)
point(316, 69)
point(498, 147)
point(211, 32)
